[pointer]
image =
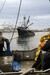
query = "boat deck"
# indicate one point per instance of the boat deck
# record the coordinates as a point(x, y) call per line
point(6, 67)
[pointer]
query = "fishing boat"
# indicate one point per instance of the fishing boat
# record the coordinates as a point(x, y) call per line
point(26, 61)
point(27, 57)
point(24, 30)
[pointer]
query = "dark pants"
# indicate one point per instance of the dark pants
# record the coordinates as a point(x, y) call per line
point(1, 51)
point(37, 64)
point(46, 60)
point(45, 64)
point(17, 57)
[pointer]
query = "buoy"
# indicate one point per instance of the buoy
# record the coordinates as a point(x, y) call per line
point(42, 45)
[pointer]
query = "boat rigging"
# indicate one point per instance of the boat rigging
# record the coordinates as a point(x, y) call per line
point(23, 29)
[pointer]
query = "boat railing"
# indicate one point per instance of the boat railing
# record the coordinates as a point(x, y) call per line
point(27, 55)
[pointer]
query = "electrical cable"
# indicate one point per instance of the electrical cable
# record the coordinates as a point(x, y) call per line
point(16, 20)
point(2, 6)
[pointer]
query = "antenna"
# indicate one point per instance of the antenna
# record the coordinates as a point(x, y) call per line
point(24, 21)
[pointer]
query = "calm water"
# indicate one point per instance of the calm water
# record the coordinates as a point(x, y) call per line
point(26, 43)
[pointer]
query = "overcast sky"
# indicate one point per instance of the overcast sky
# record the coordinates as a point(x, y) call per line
point(38, 10)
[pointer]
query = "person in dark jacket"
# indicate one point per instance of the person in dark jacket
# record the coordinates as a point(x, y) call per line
point(16, 66)
point(46, 57)
point(2, 40)
point(17, 57)
point(46, 46)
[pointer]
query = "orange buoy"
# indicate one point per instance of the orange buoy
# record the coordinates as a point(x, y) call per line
point(42, 45)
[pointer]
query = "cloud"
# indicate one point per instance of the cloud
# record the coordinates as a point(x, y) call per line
point(29, 7)
point(38, 10)
point(42, 17)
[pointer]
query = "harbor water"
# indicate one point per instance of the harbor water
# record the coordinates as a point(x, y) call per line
point(24, 43)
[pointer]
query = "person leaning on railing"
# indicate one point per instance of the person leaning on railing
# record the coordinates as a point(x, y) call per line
point(2, 40)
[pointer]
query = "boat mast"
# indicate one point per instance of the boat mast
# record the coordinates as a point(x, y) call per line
point(24, 18)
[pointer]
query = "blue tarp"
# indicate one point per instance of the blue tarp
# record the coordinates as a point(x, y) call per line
point(16, 66)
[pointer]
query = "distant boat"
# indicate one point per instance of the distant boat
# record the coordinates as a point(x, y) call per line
point(23, 30)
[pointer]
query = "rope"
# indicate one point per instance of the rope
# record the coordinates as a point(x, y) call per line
point(2, 6)
point(16, 20)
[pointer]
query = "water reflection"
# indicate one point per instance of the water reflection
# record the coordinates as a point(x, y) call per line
point(24, 42)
